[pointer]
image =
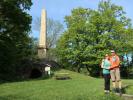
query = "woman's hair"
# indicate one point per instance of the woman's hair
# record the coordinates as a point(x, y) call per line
point(106, 55)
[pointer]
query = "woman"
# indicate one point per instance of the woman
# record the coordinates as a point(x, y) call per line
point(106, 73)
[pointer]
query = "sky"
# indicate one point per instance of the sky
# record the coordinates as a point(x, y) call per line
point(58, 9)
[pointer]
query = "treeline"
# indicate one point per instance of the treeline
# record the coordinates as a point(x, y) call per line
point(91, 34)
point(15, 43)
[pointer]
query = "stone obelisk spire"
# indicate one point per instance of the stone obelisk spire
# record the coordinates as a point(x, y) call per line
point(42, 39)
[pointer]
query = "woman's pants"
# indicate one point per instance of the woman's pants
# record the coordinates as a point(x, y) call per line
point(106, 81)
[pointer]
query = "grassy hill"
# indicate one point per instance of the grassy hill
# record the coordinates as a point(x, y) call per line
point(80, 87)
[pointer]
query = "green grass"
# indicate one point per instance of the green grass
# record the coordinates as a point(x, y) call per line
point(129, 89)
point(80, 87)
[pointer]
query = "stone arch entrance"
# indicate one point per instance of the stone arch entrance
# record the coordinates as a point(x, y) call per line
point(35, 73)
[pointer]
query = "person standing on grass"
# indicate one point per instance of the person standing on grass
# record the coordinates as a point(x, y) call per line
point(115, 71)
point(106, 73)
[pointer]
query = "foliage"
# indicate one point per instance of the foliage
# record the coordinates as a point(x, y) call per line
point(91, 34)
point(14, 35)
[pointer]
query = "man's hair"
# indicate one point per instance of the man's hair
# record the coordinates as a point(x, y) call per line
point(112, 51)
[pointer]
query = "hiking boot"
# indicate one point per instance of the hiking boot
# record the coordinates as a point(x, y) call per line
point(120, 91)
point(106, 91)
point(117, 90)
point(114, 90)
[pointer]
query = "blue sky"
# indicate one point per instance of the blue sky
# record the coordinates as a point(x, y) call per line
point(58, 9)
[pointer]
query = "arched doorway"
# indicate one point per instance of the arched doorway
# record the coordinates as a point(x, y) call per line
point(35, 73)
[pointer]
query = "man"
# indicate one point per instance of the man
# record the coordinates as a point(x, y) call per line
point(115, 71)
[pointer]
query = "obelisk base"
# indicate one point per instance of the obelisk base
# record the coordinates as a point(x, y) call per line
point(41, 53)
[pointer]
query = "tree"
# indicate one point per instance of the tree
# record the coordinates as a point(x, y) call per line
point(91, 34)
point(14, 35)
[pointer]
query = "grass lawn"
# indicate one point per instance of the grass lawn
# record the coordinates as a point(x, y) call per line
point(80, 87)
point(129, 89)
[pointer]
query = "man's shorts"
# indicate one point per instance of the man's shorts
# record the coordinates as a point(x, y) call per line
point(115, 74)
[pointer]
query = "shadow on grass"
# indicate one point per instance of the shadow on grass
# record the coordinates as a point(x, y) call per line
point(14, 97)
point(127, 87)
point(131, 77)
point(45, 77)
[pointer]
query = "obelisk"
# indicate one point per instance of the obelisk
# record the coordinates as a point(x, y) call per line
point(42, 39)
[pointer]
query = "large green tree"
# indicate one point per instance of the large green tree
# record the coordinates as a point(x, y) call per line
point(92, 33)
point(14, 35)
